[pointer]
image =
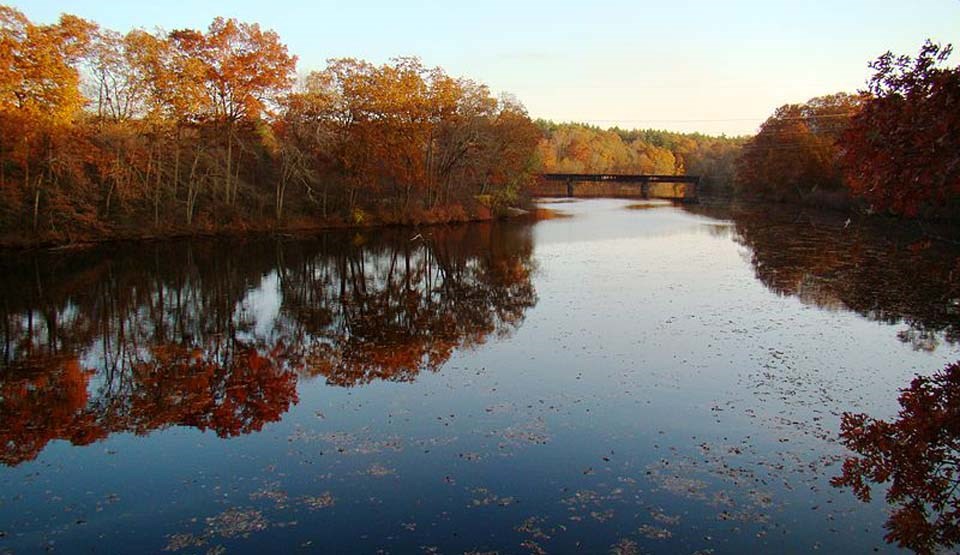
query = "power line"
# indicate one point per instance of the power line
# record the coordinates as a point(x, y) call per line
point(719, 120)
point(672, 120)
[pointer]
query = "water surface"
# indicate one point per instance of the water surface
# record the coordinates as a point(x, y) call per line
point(635, 379)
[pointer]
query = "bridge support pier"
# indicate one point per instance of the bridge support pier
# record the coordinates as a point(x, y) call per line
point(570, 188)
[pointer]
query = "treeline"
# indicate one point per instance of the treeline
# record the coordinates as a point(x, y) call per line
point(580, 148)
point(103, 133)
point(893, 148)
point(796, 154)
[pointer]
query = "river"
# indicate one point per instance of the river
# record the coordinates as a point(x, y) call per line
point(625, 377)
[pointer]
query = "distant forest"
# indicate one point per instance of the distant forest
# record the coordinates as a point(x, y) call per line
point(893, 148)
point(580, 148)
point(104, 134)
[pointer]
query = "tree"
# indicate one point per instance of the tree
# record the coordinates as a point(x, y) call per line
point(40, 79)
point(39, 96)
point(119, 91)
point(795, 153)
point(508, 152)
point(417, 140)
point(902, 151)
point(244, 70)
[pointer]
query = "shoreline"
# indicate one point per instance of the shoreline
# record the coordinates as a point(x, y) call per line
point(14, 243)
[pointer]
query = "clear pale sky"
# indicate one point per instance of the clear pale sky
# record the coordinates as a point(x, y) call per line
point(711, 66)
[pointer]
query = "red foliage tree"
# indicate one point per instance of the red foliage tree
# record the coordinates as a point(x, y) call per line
point(902, 151)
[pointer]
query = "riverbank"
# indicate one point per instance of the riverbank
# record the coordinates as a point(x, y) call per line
point(912, 233)
point(454, 215)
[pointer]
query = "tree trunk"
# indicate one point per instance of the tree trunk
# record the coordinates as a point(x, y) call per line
point(281, 188)
point(156, 190)
point(106, 210)
point(324, 203)
point(192, 188)
point(226, 184)
point(176, 160)
point(36, 206)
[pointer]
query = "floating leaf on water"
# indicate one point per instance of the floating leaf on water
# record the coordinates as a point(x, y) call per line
point(176, 542)
point(236, 522)
point(625, 546)
point(322, 501)
point(654, 533)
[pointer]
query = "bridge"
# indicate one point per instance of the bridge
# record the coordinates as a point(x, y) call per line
point(674, 187)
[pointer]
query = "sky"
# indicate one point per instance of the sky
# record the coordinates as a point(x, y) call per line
point(709, 66)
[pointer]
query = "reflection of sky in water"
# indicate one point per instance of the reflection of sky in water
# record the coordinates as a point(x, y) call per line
point(604, 219)
point(657, 395)
point(263, 304)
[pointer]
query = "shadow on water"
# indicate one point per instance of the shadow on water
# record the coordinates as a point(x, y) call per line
point(887, 273)
point(214, 334)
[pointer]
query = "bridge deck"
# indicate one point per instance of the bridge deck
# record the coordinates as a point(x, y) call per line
point(622, 178)
point(675, 187)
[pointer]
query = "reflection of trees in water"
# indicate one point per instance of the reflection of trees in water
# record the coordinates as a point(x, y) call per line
point(918, 455)
point(890, 272)
point(140, 338)
point(885, 271)
point(40, 403)
point(391, 310)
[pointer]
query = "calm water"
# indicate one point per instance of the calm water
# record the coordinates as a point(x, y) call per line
point(628, 379)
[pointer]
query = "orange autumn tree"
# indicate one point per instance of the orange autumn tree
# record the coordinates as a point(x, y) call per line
point(39, 79)
point(795, 153)
point(244, 70)
point(39, 97)
point(408, 138)
point(575, 148)
point(203, 129)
